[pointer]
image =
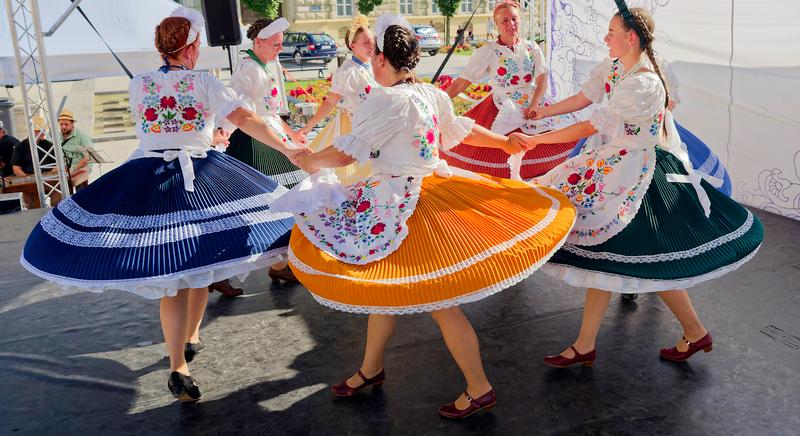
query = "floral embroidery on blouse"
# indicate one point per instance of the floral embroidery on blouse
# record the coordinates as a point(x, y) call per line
point(273, 100)
point(362, 95)
point(426, 140)
point(364, 217)
point(509, 73)
point(613, 76)
point(634, 129)
point(169, 114)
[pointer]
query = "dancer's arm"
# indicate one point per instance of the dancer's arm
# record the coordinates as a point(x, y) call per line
point(329, 157)
point(584, 129)
point(457, 87)
point(482, 137)
point(249, 122)
point(571, 104)
point(326, 108)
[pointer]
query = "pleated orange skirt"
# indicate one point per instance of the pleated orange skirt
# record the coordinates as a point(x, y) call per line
point(467, 239)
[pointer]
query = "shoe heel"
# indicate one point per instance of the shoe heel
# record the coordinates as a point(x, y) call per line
point(588, 363)
point(708, 348)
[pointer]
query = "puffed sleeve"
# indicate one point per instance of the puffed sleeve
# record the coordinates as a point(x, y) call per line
point(479, 64)
point(222, 99)
point(452, 128)
point(247, 80)
point(373, 123)
point(635, 101)
point(539, 67)
point(344, 82)
point(594, 87)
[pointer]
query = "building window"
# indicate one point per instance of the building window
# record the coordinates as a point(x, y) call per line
point(466, 6)
point(490, 6)
point(407, 7)
point(194, 4)
point(344, 8)
point(434, 7)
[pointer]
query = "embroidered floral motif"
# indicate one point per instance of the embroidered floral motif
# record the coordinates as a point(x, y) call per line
point(613, 76)
point(587, 183)
point(656, 123)
point(362, 95)
point(632, 129)
point(428, 137)
point(363, 220)
point(169, 114)
point(272, 101)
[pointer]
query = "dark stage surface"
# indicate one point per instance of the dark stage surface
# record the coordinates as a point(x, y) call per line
point(94, 363)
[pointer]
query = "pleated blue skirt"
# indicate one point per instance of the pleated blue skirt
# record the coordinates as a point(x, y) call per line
point(137, 229)
point(703, 159)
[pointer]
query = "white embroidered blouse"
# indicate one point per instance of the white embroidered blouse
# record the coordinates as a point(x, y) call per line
point(607, 181)
point(399, 130)
point(353, 81)
point(175, 114)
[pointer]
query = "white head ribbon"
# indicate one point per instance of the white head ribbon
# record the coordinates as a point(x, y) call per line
point(197, 23)
point(274, 27)
point(384, 21)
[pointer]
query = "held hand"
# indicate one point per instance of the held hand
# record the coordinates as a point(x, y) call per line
point(298, 136)
point(298, 155)
point(221, 137)
point(306, 162)
point(524, 141)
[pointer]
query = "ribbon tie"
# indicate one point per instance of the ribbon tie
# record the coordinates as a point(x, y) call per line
point(184, 160)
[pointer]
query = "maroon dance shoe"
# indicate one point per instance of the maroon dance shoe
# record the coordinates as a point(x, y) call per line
point(342, 390)
point(674, 355)
point(484, 402)
point(284, 274)
point(559, 361)
point(225, 288)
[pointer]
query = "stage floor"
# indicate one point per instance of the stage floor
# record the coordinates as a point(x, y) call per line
point(81, 363)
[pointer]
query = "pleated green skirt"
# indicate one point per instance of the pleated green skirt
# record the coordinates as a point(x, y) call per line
point(265, 159)
point(670, 243)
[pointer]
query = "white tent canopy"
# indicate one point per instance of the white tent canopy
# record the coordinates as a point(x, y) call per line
point(738, 64)
point(76, 52)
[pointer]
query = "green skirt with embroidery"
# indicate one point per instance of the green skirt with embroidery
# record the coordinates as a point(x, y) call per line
point(669, 244)
point(265, 159)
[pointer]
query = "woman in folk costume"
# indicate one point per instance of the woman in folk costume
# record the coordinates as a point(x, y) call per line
point(703, 159)
point(351, 84)
point(518, 77)
point(647, 222)
point(412, 237)
point(177, 215)
point(254, 79)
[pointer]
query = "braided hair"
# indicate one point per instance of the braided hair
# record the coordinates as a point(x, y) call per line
point(643, 24)
point(171, 34)
point(252, 31)
point(400, 48)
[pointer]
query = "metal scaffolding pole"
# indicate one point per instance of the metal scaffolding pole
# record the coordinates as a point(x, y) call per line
point(26, 35)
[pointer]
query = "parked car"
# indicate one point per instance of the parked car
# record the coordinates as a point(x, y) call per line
point(307, 46)
point(428, 39)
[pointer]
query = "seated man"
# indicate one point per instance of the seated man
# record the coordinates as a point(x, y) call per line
point(21, 161)
point(74, 144)
point(7, 144)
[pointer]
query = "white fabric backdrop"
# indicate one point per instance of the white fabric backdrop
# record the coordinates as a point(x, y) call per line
point(76, 52)
point(738, 63)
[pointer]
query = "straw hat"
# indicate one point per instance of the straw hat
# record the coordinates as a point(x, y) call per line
point(66, 114)
point(39, 122)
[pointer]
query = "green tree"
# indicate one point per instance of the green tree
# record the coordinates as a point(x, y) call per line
point(265, 8)
point(447, 8)
point(367, 6)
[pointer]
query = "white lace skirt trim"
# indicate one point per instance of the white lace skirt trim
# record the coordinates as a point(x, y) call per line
point(583, 278)
point(168, 285)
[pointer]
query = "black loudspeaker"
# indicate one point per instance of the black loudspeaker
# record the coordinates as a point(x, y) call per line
point(222, 22)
